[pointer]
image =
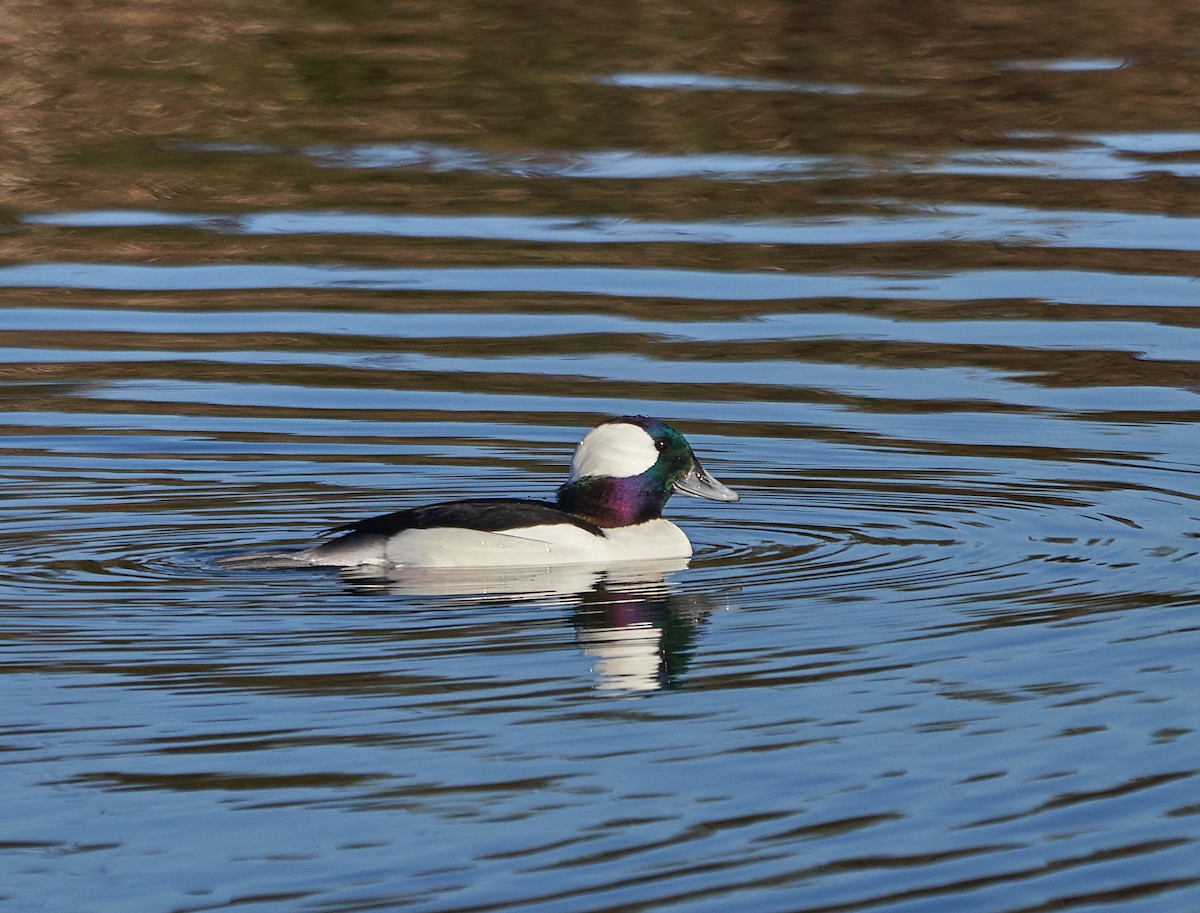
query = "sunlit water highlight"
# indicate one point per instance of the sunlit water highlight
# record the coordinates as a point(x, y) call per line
point(1114, 156)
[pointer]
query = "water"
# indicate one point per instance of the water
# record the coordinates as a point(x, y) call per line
point(921, 287)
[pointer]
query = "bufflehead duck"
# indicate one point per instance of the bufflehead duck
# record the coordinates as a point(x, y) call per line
point(610, 509)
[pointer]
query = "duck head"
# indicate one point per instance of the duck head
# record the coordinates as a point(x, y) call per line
point(625, 469)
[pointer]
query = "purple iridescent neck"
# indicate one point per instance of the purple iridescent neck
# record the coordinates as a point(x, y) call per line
point(609, 502)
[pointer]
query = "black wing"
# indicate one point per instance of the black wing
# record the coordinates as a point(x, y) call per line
point(492, 515)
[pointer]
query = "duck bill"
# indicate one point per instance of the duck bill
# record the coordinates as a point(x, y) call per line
point(699, 484)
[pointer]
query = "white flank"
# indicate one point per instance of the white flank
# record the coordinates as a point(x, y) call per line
point(619, 450)
point(551, 544)
point(455, 547)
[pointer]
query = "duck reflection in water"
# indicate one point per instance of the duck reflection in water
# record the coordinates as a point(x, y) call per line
point(640, 641)
point(636, 627)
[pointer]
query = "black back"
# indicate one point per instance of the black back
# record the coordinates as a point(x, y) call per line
point(493, 515)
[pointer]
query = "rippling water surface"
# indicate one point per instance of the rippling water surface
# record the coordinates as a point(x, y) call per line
point(923, 288)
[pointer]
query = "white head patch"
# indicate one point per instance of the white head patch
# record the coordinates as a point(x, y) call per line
point(617, 449)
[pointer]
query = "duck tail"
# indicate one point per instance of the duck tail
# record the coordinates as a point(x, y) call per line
point(261, 560)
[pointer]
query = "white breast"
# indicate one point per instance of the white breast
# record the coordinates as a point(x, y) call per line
point(649, 541)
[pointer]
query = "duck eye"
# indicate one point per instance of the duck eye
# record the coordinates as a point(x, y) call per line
point(661, 445)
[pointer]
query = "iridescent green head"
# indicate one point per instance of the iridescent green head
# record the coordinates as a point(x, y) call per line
point(625, 469)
